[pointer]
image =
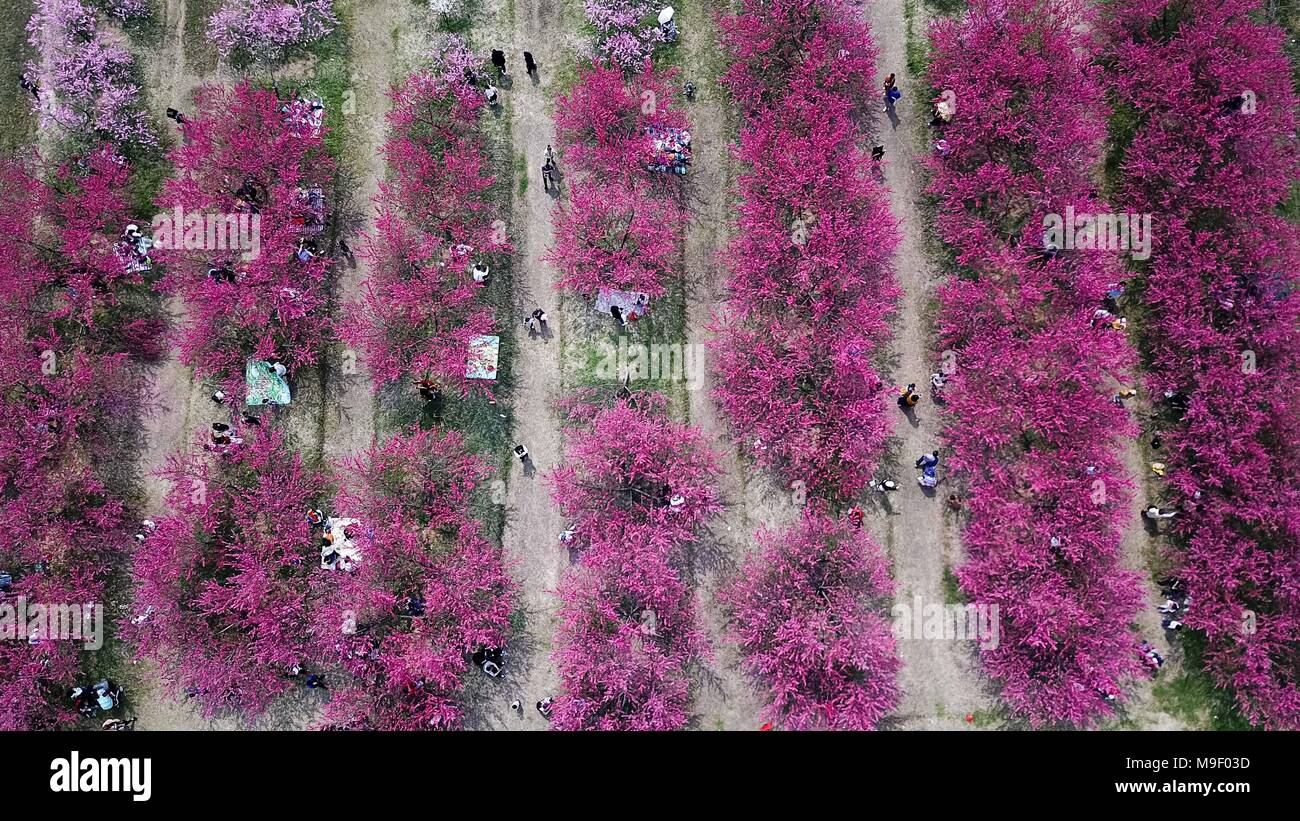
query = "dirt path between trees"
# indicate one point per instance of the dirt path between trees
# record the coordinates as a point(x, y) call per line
point(940, 679)
point(533, 523)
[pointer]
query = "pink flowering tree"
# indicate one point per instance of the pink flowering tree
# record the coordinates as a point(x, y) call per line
point(244, 145)
point(124, 9)
point(806, 611)
point(437, 222)
point(615, 236)
point(1213, 152)
point(224, 589)
point(269, 30)
point(88, 85)
point(628, 636)
point(601, 122)
point(637, 489)
point(1033, 434)
point(625, 225)
point(784, 48)
point(628, 30)
point(429, 591)
point(631, 463)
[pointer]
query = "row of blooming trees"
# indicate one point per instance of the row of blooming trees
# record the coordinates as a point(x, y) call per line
point(248, 191)
point(811, 288)
point(637, 489)
point(269, 30)
point(811, 284)
point(1214, 154)
point(623, 228)
point(431, 590)
point(636, 486)
point(69, 312)
point(87, 84)
point(1033, 434)
point(437, 221)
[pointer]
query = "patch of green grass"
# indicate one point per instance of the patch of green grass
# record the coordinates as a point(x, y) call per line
point(521, 171)
point(917, 45)
point(200, 54)
point(1291, 208)
point(947, 8)
point(951, 589)
point(987, 718)
point(1191, 696)
point(18, 128)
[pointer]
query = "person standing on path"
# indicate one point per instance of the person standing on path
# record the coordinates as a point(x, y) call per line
point(888, 92)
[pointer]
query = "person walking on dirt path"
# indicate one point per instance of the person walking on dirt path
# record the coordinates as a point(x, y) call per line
point(530, 65)
point(540, 316)
point(548, 176)
point(522, 453)
point(544, 707)
point(499, 61)
point(908, 397)
point(888, 89)
point(929, 464)
point(878, 154)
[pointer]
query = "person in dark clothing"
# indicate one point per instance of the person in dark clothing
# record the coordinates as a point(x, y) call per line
point(499, 61)
point(530, 66)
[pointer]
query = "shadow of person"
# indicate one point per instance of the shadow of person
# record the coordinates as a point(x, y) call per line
point(892, 114)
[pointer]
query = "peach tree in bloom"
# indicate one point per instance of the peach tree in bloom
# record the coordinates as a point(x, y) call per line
point(269, 30)
point(243, 144)
point(805, 611)
point(430, 590)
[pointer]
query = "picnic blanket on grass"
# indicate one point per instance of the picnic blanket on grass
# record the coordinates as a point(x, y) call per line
point(633, 305)
point(265, 386)
point(484, 352)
